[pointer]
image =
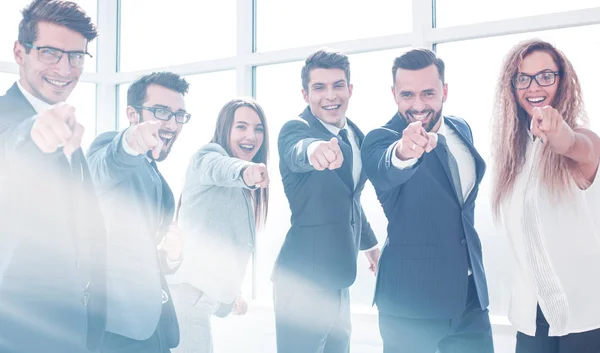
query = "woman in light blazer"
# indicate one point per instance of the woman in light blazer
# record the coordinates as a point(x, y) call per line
point(223, 203)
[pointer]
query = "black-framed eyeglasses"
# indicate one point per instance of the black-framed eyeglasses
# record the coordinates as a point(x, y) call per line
point(51, 55)
point(543, 79)
point(165, 114)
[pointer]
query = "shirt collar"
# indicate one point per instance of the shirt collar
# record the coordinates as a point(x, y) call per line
point(332, 128)
point(443, 130)
point(37, 104)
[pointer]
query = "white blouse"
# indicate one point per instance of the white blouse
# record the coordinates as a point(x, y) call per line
point(557, 248)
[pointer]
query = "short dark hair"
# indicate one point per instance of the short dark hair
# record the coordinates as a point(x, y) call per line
point(418, 59)
point(63, 13)
point(136, 94)
point(325, 59)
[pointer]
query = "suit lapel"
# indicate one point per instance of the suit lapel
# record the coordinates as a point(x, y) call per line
point(22, 110)
point(20, 105)
point(92, 230)
point(166, 204)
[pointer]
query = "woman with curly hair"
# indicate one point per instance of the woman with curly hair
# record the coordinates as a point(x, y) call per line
point(545, 195)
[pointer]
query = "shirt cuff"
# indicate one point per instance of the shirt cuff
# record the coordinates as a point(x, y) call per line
point(130, 151)
point(310, 149)
point(372, 248)
point(242, 170)
point(400, 164)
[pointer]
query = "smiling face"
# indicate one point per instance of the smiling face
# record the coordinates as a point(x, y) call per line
point(247, 134)
point(51, 83)
point(328, 95)
point(538, 62)
point(162, 98)
point(420, 96)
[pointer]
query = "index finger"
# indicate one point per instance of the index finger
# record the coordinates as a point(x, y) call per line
point(419, 140)
point(75, 141)
point(64, 111)
point(152, 126)
point(157, 149)
point(262, 167)
point(415, 126)
point(334, 145)
point(537, 113)
point(59, 127)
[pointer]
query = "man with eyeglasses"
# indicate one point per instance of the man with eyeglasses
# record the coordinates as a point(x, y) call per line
point(52, 236)
point(138, 205)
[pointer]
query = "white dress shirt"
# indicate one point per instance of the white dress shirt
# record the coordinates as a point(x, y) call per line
point(37, 104)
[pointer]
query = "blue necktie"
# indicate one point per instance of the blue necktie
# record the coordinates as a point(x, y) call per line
point(344, 136)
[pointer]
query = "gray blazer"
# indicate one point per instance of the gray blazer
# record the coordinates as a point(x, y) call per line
point(217, 218)
point(137, 205)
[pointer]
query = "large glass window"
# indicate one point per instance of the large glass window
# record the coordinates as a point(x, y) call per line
point(10, 16)
point(461, 12)
point(472, 68)
point(83, 98)
point(6, 81)
point(156, 34)
point(288, 24)
point(371, 106)
point(278, 89)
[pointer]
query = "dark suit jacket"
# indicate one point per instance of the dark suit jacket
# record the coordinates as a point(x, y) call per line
point(138, 206)
point(52, 242)
point(328, 223)
point(431, 238)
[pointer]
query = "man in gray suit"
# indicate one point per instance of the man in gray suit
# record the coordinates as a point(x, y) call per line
point(138, 205)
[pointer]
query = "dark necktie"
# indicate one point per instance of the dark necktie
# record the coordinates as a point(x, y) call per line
point(453, 168)
point(344, 135)
point(159, 191)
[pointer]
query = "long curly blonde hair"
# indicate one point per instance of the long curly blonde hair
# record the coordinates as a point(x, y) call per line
point(510, 124)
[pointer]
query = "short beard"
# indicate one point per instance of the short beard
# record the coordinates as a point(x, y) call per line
point(436, 117)
point(161, 157)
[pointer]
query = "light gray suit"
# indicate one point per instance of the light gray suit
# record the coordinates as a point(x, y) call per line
point(217, 217)
point(138, 207)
